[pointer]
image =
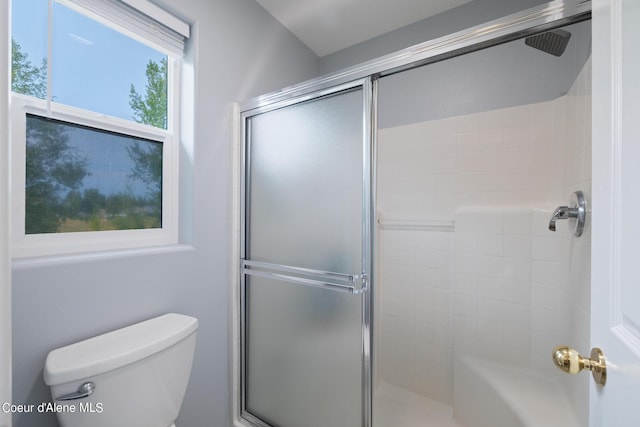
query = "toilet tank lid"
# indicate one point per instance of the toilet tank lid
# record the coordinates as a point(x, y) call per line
point(115, 349)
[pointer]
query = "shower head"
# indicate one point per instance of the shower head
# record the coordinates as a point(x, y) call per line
point(553, 42)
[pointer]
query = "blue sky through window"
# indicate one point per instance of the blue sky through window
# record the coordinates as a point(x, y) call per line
point(93, 68)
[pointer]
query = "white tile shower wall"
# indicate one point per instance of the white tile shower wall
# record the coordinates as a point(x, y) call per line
point(502, 157)
point(415, 294)
point(426, 171)
point(509, 285)
point(518, 289)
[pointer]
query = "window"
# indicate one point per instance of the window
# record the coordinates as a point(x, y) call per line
point(84, 179)
point(94, 125)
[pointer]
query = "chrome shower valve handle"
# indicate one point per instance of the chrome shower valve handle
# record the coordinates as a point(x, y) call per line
point(577, 212)
point(562, 212)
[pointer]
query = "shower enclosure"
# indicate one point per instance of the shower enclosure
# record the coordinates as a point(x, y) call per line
point(473, 290)
point(396, 267)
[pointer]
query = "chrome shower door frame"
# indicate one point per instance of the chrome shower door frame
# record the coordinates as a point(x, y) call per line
point(538, 19)
point(359, 283)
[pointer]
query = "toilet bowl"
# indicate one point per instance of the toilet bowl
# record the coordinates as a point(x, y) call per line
point(131, 377)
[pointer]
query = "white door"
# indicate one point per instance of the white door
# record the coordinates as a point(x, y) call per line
point(615, 296)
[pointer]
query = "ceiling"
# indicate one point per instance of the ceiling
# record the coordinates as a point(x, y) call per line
point(327, 26)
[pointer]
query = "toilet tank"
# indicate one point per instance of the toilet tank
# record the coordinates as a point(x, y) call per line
point(139, 374)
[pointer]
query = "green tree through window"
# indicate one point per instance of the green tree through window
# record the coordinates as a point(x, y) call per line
point(52, 169)
point(52, 166)
point(26, 78)
point(150, 110)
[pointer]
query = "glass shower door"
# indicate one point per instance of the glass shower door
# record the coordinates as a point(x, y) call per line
point(306, 260)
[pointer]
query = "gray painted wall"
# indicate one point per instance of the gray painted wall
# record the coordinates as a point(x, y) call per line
point(237, 51)
point(498, 77)
point(465, 16)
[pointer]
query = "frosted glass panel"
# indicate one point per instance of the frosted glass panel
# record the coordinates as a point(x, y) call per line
point(303, 346)
point(305, 185)
point(303, 355)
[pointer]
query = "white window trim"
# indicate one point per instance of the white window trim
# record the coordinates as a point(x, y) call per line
point(160, 15)
point(35, 245)
point(147, 23)
point(139, 19)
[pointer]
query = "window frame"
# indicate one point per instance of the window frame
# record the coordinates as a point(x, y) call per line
point(34, 245)
point(145, 22)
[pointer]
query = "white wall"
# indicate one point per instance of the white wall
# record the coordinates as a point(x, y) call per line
point(237, 51)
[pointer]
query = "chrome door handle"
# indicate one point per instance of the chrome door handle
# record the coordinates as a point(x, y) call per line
point(577, 211)
point(350, 283)
point(85, 390)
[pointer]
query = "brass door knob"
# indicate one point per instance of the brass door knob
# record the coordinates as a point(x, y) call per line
point(571, 362)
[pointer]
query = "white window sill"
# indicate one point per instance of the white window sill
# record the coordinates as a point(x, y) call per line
point(55, 260)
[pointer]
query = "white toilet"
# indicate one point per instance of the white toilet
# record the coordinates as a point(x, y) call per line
point(131, 377)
